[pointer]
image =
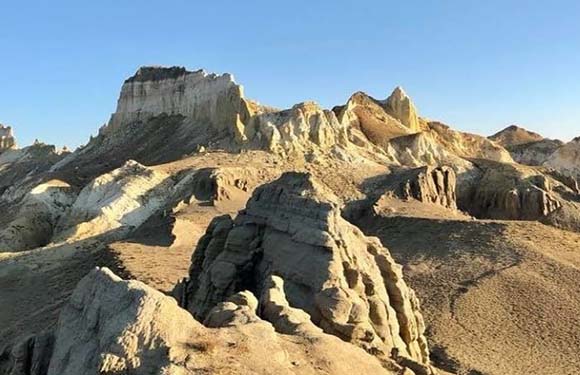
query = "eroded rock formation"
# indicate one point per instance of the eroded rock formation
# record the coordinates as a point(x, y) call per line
point(426, 184)
point(292, 233)
point(566, 159)
point(115, 326)
point(7, 140)
point(400, 106)
point(512, 192)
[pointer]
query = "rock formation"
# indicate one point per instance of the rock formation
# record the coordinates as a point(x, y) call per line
point(426, 184)
point(201, 97)
point(369, 115)
point(292, 233)
point(34, 223)
point(115, 326)
point(120, 200)
point(514, 135)
point(526, 147)
point(400, 106)
point(468, 145)
point(512, 192)
point(7, 140)
point(566, 159)
point(534, 153)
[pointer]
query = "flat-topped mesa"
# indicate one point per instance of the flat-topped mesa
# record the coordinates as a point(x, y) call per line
point(7, 140)
point(215, 100)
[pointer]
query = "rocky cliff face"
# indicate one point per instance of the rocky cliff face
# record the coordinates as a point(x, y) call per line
point(509, 191)
point(566, 159)
point(201, 97)
point(347, 283)
point(7, 140)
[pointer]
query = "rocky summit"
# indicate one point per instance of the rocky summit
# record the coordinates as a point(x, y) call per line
point(201, 232)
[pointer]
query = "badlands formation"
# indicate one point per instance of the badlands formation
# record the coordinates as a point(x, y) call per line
point(202, 232)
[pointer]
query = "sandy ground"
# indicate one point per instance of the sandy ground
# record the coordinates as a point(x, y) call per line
point(498, 297)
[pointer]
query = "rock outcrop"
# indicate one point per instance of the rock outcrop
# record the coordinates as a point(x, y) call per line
point(534, 153)
point(426, 184)
point(115, 326)
point(205, 98)
point(566, 159)
point(400, 106)
point(7, 140)
point(36, 220)
point(467, 145)
point(370, 117)
point(512, 192)
point(526, 147)
point(303, 127)
point(117, 201)
point(514, 135)
point(291, 241)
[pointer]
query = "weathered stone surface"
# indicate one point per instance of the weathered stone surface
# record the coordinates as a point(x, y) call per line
point(534, 153)
point(346, 283)
point(120, 200)
point(426, 184)
point(115, 326)
point(370, 117)
point(199, 96)
point(511, 192)
point(468, 145)
point(7, 140)
point(29, 356)
point(400, 106)
point(566, 159)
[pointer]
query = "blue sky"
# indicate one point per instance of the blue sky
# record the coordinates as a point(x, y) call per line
point(478, 66)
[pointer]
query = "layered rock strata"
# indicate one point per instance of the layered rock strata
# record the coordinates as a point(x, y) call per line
point(292, 234)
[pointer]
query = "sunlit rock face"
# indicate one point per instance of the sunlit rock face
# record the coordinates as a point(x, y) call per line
point(7, 140)
point(209, 98)
point(400, 106)
point(566, 159)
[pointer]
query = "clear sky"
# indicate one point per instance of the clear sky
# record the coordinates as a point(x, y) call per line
point(476, 65)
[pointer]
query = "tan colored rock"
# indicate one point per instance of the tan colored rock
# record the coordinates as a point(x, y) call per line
point(115, 326)
point(509, 191)
point(199, 96)
point(426, 184)
point(400, 106)
point(370, 117)
point(346, 283)
point(566, 159)
point(7, 140)
point(514, 135)
point(117, 201)
point(468, 145)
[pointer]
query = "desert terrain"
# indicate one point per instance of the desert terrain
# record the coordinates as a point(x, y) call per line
point(201, 232)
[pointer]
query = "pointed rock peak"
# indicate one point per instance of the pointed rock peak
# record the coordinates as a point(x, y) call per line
point(399, 92)
point(400, 106)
